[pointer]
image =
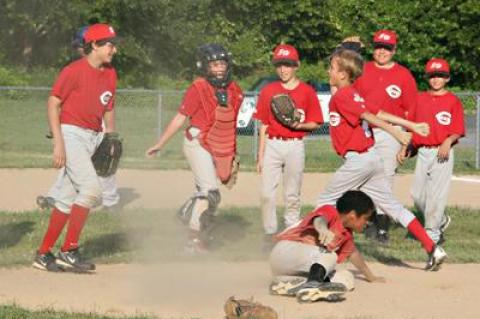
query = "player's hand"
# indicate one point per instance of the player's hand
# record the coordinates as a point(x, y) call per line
point(403, 137)
point(444, 151)
point(377, 279)
point(259, 166)
point(152, 151)
point(422, 129)
point(325, 236)
point(402, 155)
point(59, 156)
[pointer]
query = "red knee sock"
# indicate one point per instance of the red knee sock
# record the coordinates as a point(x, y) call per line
point(78, 216)
point(55, 227)
point(417, 230)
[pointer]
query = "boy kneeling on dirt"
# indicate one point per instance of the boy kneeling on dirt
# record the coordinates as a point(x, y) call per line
point(305, 257)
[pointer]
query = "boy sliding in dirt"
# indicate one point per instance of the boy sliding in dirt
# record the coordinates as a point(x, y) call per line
point(306, 255)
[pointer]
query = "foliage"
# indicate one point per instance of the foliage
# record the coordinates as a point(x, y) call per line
point(160, 37)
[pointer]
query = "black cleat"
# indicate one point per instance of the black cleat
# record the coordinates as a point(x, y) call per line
point(46, 262)
point(73, 259)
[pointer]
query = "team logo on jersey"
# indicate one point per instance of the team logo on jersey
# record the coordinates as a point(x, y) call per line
point(394, 91)
point(105, 97)
point(444, 118)
point(334, 118)
point(358, 98)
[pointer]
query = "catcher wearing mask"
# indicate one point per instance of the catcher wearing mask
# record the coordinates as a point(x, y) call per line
point(211, 105)
point(288, 109)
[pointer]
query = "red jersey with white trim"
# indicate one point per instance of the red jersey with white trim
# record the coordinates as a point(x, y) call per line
point(305, 232)
point(305, 100)
point(199, 105)
point(347, 130)
point(86, 93)
point(392, 90)
point(444, 114)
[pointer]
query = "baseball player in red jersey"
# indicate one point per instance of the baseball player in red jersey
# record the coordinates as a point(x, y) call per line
point(393, 89)
point(81, 97)
point(434, 167)
point(282, 149)
point(110, 196)
point(211, 104)
point(305, 258)
point(352, 139)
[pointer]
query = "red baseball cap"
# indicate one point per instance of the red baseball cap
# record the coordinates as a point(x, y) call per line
point(99, 31)
point(386, 38)
point(285, 53)
point(437, 66)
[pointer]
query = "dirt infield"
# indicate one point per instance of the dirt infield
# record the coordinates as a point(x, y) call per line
point(198, 290)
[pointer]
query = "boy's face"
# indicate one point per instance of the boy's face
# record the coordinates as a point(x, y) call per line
point(286, 72)
point(438, 82)
point(218, 68)
point(106, 52)
point(357, 223)
point(383, 55)
point(334, 73)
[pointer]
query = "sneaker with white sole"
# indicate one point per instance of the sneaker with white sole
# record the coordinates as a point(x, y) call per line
point(73, 259)
point(285, 285)
point(46, 262)
point(436, 258)
point(313, 291)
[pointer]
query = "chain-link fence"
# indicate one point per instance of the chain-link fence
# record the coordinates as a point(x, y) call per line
point(143, 114)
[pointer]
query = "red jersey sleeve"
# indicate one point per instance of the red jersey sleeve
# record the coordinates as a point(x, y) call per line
point(458, 123)
point(263, 108)
point(346, 250)
point(314, 110)
point(64, 84)
point(191, 102)
point(350, 109)
point(409, 96)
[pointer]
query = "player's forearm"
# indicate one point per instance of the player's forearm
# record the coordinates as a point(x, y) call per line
point(307, 126)
point(109, 119)
point(393, 119)
point(402, 137)
point(453, 138)
point(320, 224)
point(175, 124)
point(53, 113)
point(262, 136)
point(357, 260)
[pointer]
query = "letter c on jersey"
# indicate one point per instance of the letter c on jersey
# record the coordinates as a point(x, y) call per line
point(105, 97)
point(444, 118)
point(334, 118)
point(394, 91)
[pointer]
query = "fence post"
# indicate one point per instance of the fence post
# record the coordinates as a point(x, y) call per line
point(477, 137)
point(159, 114)
point(255, 140)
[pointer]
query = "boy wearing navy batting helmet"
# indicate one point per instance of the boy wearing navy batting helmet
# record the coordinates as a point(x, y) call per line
point(434, 167)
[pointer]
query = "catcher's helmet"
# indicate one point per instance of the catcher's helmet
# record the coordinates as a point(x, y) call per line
point(213, 52)
point(78, 40)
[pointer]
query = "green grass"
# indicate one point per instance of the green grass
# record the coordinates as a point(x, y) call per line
point(24, 125)
point(16, 312)
point(156, 236)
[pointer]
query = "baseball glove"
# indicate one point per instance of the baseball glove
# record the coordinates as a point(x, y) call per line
point(107, 155)
point(247, 309)
point(284, 110)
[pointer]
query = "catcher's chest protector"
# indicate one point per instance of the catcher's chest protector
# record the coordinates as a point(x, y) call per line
point(219, 138)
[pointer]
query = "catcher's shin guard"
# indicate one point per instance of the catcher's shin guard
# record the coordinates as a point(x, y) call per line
point(200, 207)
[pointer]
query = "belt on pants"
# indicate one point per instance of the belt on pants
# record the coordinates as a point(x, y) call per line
point(282, 138)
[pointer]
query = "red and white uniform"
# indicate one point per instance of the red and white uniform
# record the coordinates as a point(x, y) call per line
point(443, 113)
point(431, 185)
point(201, 106)
point(284, 152)
point(347, 130)
point(86, 94)
point(393, 91)
point(298, 248)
